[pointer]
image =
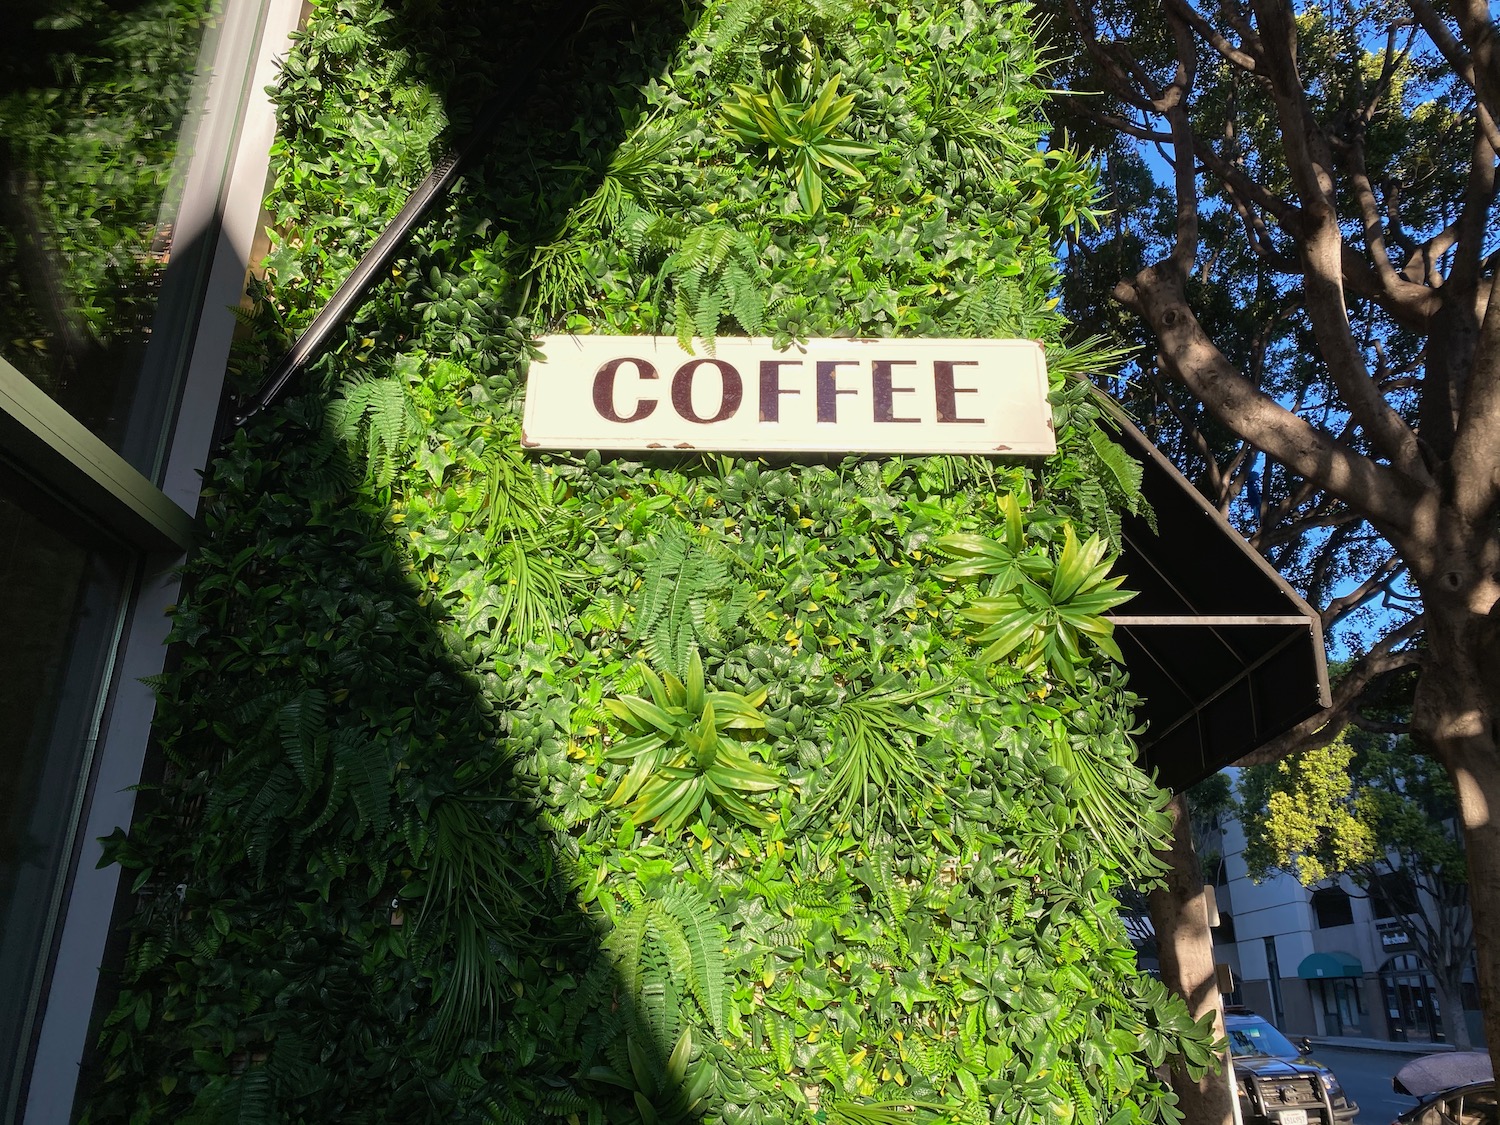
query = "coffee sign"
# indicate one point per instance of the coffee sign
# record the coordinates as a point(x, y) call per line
point(824, 396)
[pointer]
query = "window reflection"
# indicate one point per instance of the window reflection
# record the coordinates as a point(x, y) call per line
point(93, 96)
point(59, 618)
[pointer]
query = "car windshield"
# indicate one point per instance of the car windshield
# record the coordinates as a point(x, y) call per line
point(1257, 1037)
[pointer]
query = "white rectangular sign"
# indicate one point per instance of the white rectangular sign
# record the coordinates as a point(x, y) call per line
point(824, 396)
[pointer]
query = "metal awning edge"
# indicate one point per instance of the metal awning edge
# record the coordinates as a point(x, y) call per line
point(1144, 449)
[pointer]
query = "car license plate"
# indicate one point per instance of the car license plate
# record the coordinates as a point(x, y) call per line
point(1292, 1117)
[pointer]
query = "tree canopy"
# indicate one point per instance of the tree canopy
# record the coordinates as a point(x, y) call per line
point(1321, 339)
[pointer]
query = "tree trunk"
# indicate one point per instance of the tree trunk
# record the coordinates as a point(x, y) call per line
point(1179, 913)
point(1449, 988)
point(1457, 716)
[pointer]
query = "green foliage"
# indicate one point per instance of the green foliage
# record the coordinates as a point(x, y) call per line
point(1041, 612)
point(93, 99)
point(714, 273)
point(683, 758)
point(876, 758)
point(688, 597)
point(1310, 826)
point(699, 805)
point(800, 133)
point(1369, 815)
point(1346, 810)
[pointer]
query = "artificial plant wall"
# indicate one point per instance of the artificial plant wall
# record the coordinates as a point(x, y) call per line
point(504, 787)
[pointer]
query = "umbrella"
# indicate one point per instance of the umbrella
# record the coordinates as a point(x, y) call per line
point(1443, 1071)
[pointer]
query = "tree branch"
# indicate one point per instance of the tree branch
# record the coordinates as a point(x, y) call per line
point(1113, 121)
point(1473, 218)
point(1174, 104)
point(1321, 244)
point(1379, 726)
point(1475, 462)
point(1386, 573)
point(1241, 58)
point(1158, 293)
point(1476, 25)
point(1293, 531)
point(1412, 304)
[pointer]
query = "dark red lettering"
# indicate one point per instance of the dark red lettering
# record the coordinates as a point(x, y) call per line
point(880, 378)
point(731, 395)
point(604, 390)
point(942, 379)
point(828, 389)
point(771, 389)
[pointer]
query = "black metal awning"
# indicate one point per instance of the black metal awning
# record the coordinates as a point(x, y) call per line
point(1223, 653)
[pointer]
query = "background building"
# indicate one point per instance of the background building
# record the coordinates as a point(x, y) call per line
point(1327, 962)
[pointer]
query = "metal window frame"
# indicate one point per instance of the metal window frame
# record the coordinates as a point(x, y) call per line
point(53, 448)
point(220, 205)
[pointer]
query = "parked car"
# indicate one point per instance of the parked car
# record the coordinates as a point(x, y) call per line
point(1279, 1083)
point(1275, 1092)
point(1474, 1104)
point(1456, 1088)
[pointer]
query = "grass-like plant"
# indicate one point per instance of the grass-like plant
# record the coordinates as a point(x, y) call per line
point(876, 760)
point(473, 897)
point(682, 759)
point(888, 1113)
point(1109, 803)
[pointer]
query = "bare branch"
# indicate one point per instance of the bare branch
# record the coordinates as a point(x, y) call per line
point(1476, 26)
point(1243, 59)
point(1174, 103)
point(1427, 256)
point(1387, 496)
point(1121, 84)
point(1455, 55)
point(1390, 63)
point(1379, 726)
point(1235, 179)
point(1417, 302)
point(1311, 167)
point(1114, 121)
point(1290, 531)
point(1386, 573)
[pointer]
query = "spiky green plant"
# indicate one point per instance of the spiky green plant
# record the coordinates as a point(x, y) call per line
point(802, 134)
point(681, 758)
point(1044, 613)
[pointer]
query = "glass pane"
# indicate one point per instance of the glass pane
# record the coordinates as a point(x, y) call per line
point(60, 618)
point(93, 100)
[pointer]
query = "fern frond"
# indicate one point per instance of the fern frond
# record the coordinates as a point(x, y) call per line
point(714, 270)
point(705, 936)
point(368, 774)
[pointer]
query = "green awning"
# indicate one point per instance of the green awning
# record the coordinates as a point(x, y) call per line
point(1326, 966)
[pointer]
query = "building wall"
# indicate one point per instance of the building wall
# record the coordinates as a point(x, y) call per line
point(108, 481)
point(1279, 910)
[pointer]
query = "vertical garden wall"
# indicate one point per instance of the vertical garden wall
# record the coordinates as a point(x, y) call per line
point(512, 787)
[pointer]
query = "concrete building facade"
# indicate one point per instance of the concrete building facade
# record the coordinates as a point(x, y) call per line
point(1328, 962)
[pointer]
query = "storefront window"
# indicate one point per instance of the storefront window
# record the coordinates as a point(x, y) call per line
point(60, 617)
point(93, 148)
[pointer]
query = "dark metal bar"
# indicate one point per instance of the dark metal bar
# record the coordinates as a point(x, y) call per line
point(377, 259)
